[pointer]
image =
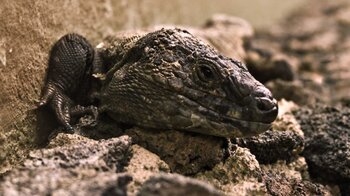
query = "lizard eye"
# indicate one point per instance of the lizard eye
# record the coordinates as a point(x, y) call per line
point(205, 73)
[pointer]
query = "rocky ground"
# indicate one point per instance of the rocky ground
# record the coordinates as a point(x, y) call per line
point(304, 61)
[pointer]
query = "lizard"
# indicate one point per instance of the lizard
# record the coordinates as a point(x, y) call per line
point(166, 79)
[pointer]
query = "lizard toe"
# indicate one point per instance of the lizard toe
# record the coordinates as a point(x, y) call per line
point(61, 104)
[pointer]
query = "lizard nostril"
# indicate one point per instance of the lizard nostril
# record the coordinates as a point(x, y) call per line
point(265, 104)
point(266, 109)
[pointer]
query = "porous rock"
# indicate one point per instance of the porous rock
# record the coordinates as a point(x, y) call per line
point(185, 153)
point(286, 120)
point(176, 185)
point(72, 165)
point(238, 174)
point(327, 150)
point(241, 174)
point(60, 181)
point(273, 145)
point(280, 184)
point(143, 164)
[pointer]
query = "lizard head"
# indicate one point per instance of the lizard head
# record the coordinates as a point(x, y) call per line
point(170, 79)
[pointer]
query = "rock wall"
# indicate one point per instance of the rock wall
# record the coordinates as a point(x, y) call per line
point(28, 28)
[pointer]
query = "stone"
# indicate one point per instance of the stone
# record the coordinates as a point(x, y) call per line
point(280, 184)
point(327, 149)
point(72, 165)
point(176, 185)
point(143, 164)
point(272, 146)
point(238, 174)
point(185, 153)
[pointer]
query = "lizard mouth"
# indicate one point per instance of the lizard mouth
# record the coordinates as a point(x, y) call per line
point(210, 122)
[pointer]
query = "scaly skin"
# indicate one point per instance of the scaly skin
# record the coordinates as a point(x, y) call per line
point(69, 79)
point(168, 79)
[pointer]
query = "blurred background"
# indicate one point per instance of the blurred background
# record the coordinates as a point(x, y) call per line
point(260, 13)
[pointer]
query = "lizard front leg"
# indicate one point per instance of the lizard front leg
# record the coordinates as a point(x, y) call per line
point(69, 78)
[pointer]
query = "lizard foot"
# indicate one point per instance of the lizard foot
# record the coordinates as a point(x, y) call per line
point(69, 80)
point(59, 103)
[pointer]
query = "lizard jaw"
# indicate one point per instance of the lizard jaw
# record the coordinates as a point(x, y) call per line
point(209, 122)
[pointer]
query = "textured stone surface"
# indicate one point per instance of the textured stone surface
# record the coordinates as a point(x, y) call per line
point(72, 165)
point(238, 174)
point(327, 149)
point(280, 184)
point(184, 153)
point(286, 120)
point(143, 164)
point(241, 174)
point(271, 146)
point(296, 169)
point(78, 151)
point(64, 182)
point(177, 185)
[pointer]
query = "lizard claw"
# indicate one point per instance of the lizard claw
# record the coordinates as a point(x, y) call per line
point(57, 101)
point(64, 108)
point(61, 104)
point(78, 111)
point(69, 129)
point(47, 95)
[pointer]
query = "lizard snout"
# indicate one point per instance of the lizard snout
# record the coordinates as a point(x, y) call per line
point(267, 107)
point(264, 107)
